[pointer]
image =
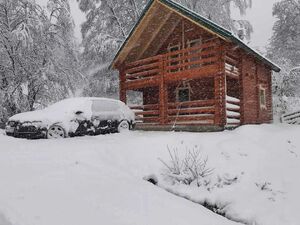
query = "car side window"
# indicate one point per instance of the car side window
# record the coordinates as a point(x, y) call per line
point(99, 106)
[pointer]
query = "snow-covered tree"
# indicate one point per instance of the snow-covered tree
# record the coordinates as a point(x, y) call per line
point(286, 88)
point(284, 49)
point(285, 41)
point(219, 11)
point(38, 55)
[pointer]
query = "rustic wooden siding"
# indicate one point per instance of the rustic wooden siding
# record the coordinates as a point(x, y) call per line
point(200, 89)
point(233, 87)
point(210, 83)
point(192, 32)
point(264, 79)
point(255, 74)
point(150, 95)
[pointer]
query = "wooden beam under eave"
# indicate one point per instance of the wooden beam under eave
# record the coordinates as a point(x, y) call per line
point(137, 33)
point(194, 22)
point(142, 83)
point(162, 41)
point(153, 36)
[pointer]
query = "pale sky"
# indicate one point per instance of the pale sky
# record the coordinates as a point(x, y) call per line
point(260, 16)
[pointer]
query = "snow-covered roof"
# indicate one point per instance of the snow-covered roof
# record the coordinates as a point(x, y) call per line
point(202, 21)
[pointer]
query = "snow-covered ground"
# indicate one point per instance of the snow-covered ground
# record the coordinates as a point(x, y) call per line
point(99, 180)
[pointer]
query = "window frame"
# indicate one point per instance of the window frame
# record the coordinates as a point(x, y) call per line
point(262, 104)
point(170, 47)
point(183, 88)
point(192, 41)
point(197, 41)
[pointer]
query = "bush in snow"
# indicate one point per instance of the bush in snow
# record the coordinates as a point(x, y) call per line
point(191, 168)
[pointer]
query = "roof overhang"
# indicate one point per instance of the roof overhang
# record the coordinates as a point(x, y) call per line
point(149, 13)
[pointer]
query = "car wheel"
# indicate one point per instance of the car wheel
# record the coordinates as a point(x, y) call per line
point(56, 132)
point(123, 126)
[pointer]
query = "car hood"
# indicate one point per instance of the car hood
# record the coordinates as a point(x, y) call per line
point(38, 115)
point(45, 117)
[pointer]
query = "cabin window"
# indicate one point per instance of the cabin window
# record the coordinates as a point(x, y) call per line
point(183, 94)
point(173, 61)
point(194, 58)
point(262, 98)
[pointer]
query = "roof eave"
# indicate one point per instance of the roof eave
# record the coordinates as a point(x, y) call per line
point(273, 66)
point(113, 63)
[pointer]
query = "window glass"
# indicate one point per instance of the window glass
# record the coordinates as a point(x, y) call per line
point(104, 106)
point(262, 97)
point(183, 94)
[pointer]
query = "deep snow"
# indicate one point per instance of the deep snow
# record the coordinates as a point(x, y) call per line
point(98, 180)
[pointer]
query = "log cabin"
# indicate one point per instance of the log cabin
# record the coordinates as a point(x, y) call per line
point(193, 74)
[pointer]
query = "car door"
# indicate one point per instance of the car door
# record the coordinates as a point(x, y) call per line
point(105, 113)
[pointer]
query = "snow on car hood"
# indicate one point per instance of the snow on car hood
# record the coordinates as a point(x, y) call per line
point(61, 112)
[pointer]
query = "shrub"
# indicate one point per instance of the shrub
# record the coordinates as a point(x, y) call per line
point(191, 168)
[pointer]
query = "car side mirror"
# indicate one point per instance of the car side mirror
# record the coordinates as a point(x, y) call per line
point(78, 112)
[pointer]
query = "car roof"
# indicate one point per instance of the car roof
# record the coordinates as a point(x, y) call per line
point(82, 99)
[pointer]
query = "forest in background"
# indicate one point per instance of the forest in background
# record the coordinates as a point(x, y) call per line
point(41, 62)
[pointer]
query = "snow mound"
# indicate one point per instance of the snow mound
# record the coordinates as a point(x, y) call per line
point(92, 180)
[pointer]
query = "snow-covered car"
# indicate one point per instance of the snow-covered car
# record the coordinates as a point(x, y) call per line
point(73, 117)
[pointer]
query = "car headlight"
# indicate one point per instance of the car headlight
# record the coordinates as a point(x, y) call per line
point(11, 123)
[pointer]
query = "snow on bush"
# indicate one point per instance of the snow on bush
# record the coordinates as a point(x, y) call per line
point(191, 168)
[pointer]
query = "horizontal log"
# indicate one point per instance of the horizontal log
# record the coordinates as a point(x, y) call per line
point(230, 67)
point(191, 118)
point(148, 73)
point(193, 103)
point(180, 66)
point(191, 110)
point(142, 83)
point(232, 109)
point(142, 107)
point(190, 55)
point(233, 117)
point(144, 61)
point(204, 71)
point(232, 75)
point(198, 103)
point(143, 67)
point(232, 56)
point(192, 123)
point(233, 102)
point(150, 119)
point(143, 113)
point(185, 50)
point(231, 60)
